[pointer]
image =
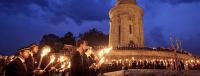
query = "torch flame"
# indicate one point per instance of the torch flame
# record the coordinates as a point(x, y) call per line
point(63, 65)
point(104, 51)
point(102, 60)
point(45, 51)
point(197, 61)
point(101, 53)
point(52, 57)
point(107, 50)
point(61, 58)
point(69, 65)
point(89, 51)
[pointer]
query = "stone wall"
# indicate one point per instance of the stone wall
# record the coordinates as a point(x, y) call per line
point(164, 54)
point(152, 72)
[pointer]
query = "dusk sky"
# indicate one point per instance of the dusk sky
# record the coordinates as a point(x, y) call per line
point(25, 21)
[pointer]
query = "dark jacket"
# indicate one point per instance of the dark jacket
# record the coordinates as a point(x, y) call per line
point(32, 62)
point(79, 65)
point(17, 68)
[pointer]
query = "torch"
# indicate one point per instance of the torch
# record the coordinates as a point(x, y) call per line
point(63, 65)
point(102, 61)
point(103, 52)
point(89, 51)
point(102, 55)
point(61, 59)
point(45, 51)
point(52, 57)
point(69, 65)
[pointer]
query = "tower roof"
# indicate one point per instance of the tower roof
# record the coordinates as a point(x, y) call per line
point(126, 2)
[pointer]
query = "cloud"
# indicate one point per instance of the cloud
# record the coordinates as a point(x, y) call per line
point(175, 2)
point(26, 21)
point(192, 44)
point(179, 19)
point(55, 11)
point(20, 30)
point(157, 36)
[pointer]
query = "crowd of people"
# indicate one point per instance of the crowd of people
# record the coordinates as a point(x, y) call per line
point(130, 47)
point(144, 64)
point(26, 62)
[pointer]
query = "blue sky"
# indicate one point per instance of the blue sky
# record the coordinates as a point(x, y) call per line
point(25, 21)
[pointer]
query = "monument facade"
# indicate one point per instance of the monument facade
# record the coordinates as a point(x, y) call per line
point(126, 26)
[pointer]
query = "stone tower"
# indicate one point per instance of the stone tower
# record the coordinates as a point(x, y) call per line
point(126, 26)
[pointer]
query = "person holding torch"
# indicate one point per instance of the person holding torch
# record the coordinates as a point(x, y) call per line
point(79, 60)
point(32, 60)
point(18, 67)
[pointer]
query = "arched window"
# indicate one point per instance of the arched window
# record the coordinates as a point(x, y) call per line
point(131, 43)
point(119, 33)
point(130, 29)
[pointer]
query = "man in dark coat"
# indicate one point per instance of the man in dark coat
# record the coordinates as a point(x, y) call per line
point(32, 60)
point(18, 66)
point(79, 61)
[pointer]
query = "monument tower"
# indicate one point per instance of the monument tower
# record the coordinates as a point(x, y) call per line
point(126, 26)
point(126, 31)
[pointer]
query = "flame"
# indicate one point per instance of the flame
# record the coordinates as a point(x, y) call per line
point(102, 60)
point(133, 58)
point(104, 51)
point(113, 60)
point(61, 58)
point(117, 61)
point(45, 51)
point(197, 61)
point(127, 60)
point(52, 57)
point(107, 50)
point(69, 65)
point(186, 61)
point(63, 65)
point(101, 53)
point(191, 60)
point(89, 51)
point(120, 60)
